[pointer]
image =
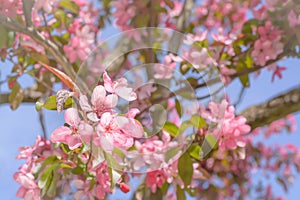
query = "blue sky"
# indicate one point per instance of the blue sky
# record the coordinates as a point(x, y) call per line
point(20, 127)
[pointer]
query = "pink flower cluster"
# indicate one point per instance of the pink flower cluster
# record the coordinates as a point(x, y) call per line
point(40, 150)
point(216, 13)
point(230, 129)
point(294, 20)
point(80, 44)
point(43, 150)
point(268, 46)
point(82, 31)
point(166, 70)
point(110, 130)
point(10, 8)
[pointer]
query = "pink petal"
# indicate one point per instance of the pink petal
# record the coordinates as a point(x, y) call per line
point(84, 104)
point(126, 93)
point(73, 141)
point(111, 101)
point(107, 143)
point(130, 126)
point(72, 117)
point(132, 113)
point(59, 134)
point(98, 96)
point(106, 119)
point(21, 192)
point(107, 83)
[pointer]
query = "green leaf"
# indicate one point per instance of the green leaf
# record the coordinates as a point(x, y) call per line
point(50, 103)
point(51, 192)
point(209, 144)
point(69, 5)
point(4, 36)
point(178, 107)
point(171, 128)
point(185, 168)
point(247, 28)
point(77, 170)
point(16, 96)
point(196, 152)
point(197, 121)
point(119, 153)
point(49, 160)
point(114, 177)
point(171, 153)
point(249, 61)
point(212, 141)
point(180, 194)
point(47, 176)
point(245, 78)
point(187, 95)
point(164, 188)
point(61, 18)
point(111, 161)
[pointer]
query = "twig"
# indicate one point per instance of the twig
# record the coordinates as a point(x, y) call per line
point(47, 44)
point(27, 9)
point(240, 98)
point(42, 122)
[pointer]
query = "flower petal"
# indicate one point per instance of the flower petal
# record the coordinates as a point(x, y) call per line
point(98, 96)
point(59, 134)
point(72, 117)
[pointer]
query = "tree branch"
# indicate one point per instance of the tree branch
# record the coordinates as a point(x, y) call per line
point(30, 96)
point(27, 8)
point(47, 44)
point(274, 109)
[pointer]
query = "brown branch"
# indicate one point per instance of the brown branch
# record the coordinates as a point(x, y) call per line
point(51, 47)
point(30, 96)
point(273, 109)
point(27, 9)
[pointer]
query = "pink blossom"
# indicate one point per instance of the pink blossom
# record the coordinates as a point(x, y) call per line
point(119, 87)
point(46, 5)
point(231, 129)
point(101, 102)
point(277, 72)
point(265, 50)
point(129, 125)
point(269, 32)
point(29, 43)
point(199, 37)
point(29, 189)
point(222, 37)
point(67, 135)
point(199, 58)
point(83, 189)
point(79, 45)
point(226, 72)
point(110, 135)
point(155, 179)
point(176, 10)
point(294, 20)
point(166, 70)
point(10, 8)
point(80, 3)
